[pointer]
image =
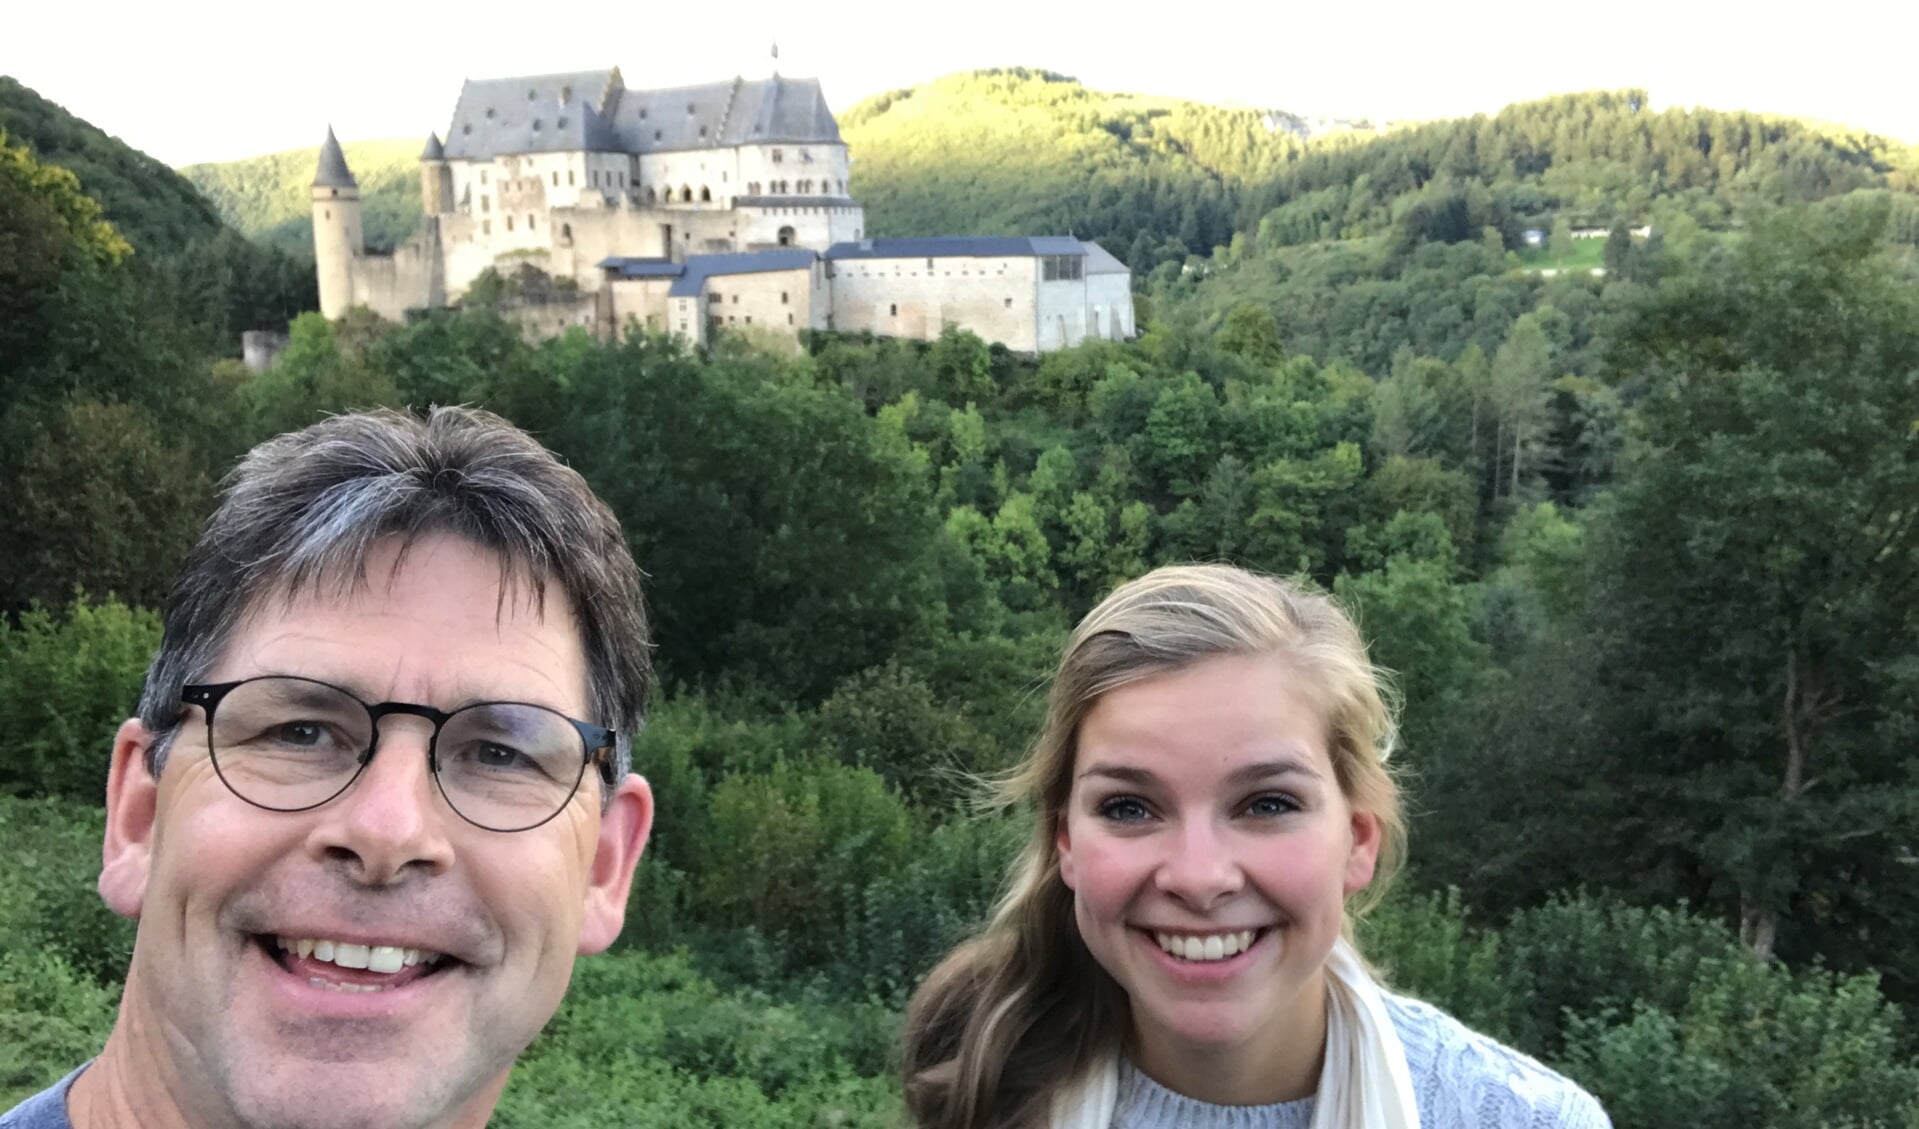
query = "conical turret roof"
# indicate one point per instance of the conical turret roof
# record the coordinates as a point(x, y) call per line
point(434, 151)
point(333, 172)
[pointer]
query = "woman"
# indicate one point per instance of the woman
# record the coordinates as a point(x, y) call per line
point(1213, 802)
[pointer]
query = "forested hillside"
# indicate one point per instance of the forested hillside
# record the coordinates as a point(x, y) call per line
point(1639, 546)
point(186, 257)
point(270, 197)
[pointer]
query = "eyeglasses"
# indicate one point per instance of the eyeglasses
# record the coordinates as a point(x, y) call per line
point(291, 744)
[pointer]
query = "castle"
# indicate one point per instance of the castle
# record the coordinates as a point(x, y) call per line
point(690, 211)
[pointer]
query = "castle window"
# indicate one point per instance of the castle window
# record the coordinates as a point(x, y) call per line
point(786, 236)
point(778, 157)
point(489, 113)
point(466, 130)
point(714, 299)
point(749, 319)
point(929, 265)
point(736, 299)
point(532, 94)
point(702, 131)
point(595, 174)
point(789, 319)
point(482, 176)
point(706, 194)
point(1009, 303)
point(486, 204)
point(656, 135)
point(782, 297)
point(894, 309)
point(569, 178)
point(326, 213)
point(566, 232)
point(561, 124)
point(806, 155)
point(509, 223)
point(529, 221)
point(651, 197)
point(486, 227)
point(556, 178)
point(536, 125)
point(642, 113)
point(689, 107)
point(334, 193)
point(686, 194)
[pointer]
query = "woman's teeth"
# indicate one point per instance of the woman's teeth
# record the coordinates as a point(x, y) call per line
point(1211, 946)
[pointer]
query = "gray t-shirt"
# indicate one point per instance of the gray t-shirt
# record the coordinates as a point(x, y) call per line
point(44, 1110)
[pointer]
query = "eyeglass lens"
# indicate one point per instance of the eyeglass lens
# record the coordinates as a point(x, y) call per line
point(290, 744)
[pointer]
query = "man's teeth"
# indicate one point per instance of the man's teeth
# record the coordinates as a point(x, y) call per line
point(373, 958)
point(1213, 946)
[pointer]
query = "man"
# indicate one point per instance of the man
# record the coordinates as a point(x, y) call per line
point(377, 797)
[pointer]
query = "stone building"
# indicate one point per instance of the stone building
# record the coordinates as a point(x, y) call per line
point(690, 210)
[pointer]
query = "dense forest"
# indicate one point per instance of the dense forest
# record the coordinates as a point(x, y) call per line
point(1639, 545)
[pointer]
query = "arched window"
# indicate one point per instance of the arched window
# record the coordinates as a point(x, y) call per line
point(753, 189)
point(566, 232)
point(786, 237)
point(652, 197)
point(706, 194)
point(686, 194)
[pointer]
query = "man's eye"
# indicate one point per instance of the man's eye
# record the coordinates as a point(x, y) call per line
point(1123, 809)
point(498, 758)
point(1271, 804)
point(299, 734)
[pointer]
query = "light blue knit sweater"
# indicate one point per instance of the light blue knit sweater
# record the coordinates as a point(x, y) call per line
point(1462, 1080)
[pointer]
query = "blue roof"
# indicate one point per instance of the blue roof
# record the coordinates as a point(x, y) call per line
point(699, 268)
point(959, 246)
point(642, 268)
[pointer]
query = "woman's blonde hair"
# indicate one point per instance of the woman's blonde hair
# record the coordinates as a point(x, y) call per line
point(1022, 1010)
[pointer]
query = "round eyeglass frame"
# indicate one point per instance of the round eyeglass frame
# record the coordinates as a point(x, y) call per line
point(597, 742)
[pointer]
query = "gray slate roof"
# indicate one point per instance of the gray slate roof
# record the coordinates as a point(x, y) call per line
point(434, 151)
point(333, 172)
point(699, 268)
point(959, 246)
point(594, 111)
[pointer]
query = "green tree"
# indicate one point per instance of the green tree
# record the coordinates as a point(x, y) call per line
point(1760, 585)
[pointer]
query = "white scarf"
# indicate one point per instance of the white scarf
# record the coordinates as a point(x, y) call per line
point(1364, 1085)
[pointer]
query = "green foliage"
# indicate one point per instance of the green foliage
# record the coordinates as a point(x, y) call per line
point(66, 684)
point(158, 211)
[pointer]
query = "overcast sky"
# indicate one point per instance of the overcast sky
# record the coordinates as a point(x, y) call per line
point(207, 80)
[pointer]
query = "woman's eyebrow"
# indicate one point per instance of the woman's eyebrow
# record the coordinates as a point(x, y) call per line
point(1123, 773)
point(1266, 770)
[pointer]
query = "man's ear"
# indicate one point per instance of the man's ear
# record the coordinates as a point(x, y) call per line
point(132, 805)
point(624, 826)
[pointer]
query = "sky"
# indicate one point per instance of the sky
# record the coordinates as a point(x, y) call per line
point(215, 80)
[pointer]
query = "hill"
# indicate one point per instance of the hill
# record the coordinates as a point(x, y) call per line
point(266, 197)
point(158, 211)
point(986, 152)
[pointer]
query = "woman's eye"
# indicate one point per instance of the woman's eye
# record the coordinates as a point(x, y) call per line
point(1123, 809)
point(1271, 804)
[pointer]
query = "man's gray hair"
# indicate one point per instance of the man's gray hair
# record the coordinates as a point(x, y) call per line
point(307, 508)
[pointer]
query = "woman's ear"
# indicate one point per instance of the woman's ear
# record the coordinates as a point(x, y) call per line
point(1363, 857)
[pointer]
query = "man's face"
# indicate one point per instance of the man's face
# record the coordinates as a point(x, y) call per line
point(239, 1029)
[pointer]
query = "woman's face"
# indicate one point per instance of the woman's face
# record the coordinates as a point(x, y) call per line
point(1210, 851)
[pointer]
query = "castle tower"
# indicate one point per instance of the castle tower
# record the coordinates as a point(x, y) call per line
point(337, 237)
point(436, 178)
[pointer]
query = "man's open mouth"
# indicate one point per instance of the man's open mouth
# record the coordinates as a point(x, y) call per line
point(346, 966)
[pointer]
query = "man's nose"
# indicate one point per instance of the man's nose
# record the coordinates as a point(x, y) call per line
point(390, 824)
point(1200, 867)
